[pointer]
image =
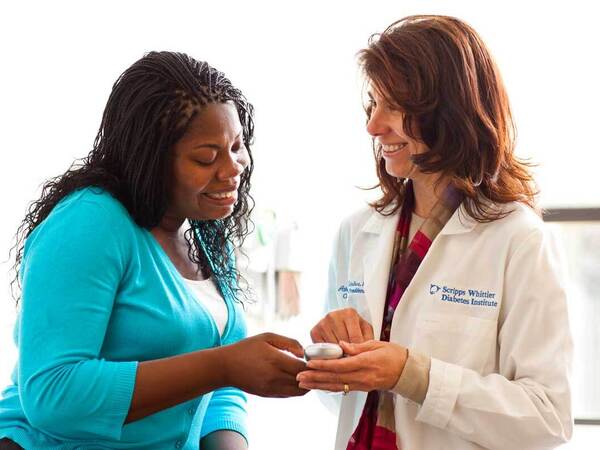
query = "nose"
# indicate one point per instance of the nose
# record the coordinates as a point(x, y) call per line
point(377, 124)
point(232, 167)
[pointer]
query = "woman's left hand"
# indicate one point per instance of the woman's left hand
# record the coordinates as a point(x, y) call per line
point(371, 365)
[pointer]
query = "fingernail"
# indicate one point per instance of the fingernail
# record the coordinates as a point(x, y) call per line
point(299, 377)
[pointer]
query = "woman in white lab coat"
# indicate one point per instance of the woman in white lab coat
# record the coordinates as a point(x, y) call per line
point(450, 271)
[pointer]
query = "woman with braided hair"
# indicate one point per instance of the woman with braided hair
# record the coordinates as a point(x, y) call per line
point(130, 328)
point(446, 294)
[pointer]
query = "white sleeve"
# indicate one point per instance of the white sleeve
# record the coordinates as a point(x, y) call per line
point(527, 405)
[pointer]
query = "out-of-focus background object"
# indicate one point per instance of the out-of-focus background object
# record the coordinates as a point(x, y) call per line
point(271, 261)
point(288, 266)
point(578, 230)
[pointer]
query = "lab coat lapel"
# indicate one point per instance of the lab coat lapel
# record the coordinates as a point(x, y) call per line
point(376, 264)
point(459, 223)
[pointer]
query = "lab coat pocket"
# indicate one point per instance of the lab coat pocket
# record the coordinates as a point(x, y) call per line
point(458, 339)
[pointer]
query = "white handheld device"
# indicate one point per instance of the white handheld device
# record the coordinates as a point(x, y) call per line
point(323, 350)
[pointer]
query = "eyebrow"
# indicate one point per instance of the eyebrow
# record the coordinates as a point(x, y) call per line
point(213, 145)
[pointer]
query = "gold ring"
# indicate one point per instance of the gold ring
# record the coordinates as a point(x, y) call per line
point(346, 389)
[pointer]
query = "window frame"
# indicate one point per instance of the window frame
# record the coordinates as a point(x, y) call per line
point(574, 215)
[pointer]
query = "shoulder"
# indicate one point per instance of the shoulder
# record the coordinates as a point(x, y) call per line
point(520, 220)
point(85, 214)
point(89, 200)
point(366, 219)
point(357, 219)
point(91, 208)
point(521, 226)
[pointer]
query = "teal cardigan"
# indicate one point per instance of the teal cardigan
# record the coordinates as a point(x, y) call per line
point(99, 295)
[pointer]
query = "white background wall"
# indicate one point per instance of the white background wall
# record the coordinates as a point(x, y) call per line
point(295, 62)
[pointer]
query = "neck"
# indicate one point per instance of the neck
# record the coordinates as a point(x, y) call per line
point(169, 227)
point(427, 193)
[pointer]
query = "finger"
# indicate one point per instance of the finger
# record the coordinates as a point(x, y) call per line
point(299, 391)
point(353, 329)
point(357, 349)
point(335, 322)
point(327, 333)
point(334, 387)
point(294, 390)
point(342, 365)
point(289, 365)
point(285, 343)
point(317, 376)
point(300, 375)
point(316, 335)
point(289, 389)
point(324, 380)
point(367, 330)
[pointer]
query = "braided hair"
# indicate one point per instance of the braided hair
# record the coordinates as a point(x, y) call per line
point(150, 106)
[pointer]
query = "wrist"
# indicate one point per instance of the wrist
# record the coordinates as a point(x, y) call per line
point(211, 363)
point(413, 383)
point(400, 364)
point(404, 353)
point(223, 363)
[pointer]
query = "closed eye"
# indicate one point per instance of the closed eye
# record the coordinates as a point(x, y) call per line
point(204, 163)
point(239, 148)
point(205, 154)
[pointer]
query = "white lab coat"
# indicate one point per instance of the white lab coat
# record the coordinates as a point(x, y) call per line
point(488, 305)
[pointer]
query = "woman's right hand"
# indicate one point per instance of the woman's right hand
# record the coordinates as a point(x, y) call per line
point(258, 365)
point(342, 325)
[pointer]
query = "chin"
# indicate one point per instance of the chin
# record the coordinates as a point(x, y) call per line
point(401, 169)
point(397, 173)
point(210, 215)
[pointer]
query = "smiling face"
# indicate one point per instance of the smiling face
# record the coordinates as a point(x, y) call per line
point(386, 126)
point(207, 163)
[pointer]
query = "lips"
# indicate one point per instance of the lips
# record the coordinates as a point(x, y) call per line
point(392, 149)
point(220, 195)
point(225, 198)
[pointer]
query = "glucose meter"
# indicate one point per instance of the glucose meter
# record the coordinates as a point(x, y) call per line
point(323, 350)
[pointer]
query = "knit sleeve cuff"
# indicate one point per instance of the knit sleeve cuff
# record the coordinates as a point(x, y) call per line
point(414, 380)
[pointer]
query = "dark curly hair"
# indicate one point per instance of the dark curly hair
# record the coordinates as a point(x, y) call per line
point(148, 111)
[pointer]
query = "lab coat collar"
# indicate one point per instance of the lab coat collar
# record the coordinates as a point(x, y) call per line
point(460, 222)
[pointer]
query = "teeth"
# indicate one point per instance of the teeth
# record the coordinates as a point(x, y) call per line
point(221, 195)
point(393, 148)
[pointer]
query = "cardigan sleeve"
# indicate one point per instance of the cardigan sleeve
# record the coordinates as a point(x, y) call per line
point(72, 266)
point(226, 411)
